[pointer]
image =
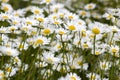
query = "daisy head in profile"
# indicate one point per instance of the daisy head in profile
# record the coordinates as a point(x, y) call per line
point(93, 76)
point(36, 10)
point(9, 51)
point(84, 13)
point(4, 16)
point(90, 6)
point(50, 58)
point(47, 1)
point(40, 40)
point(4, 1)
point(105, 65)
point(72, 76)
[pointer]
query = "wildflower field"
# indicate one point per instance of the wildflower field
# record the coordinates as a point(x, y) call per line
point(59, 39)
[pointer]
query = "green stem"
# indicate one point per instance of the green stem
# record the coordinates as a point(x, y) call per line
point(94, 44)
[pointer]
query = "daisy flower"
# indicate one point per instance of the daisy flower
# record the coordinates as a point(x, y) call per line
point(108, 16)
point(47, 31)
point(90, 6)
point(19, 12)
point(4, 1)
point(6, 7)
point(47, 1)
point(2, 75)
point(3, 29)
point(40, 40)
point(61, 31)
point(9, 51)
point(72, 26)
point(41, 64)
point(36, 10)
point(83, 13)
point(30, 21)
point(5, 16)
point(105, 65)
point(72, 76)
point(93, 76)
point(114, 50)
point(49, 58)
point(55, 8)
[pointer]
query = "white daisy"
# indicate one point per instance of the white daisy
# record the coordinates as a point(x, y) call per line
point(72, 76)
point(40, 40)
point(49, 58)
point(9, 51)
point(90, 6)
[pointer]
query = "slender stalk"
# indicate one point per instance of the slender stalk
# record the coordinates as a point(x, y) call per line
point(94, 44)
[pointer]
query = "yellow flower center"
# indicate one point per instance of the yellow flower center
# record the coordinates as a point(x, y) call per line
point(9, 52)
point(50, 60)
point(78, 43)
point(2, 31)
point(40, 19)
point(28, 22)
point(12, 28)
point(2, 74)
point(83, 13)
point(83, 33)
point(16, 59)
point(79, 23)
point(92, 35)
point(7, 45)
point(4, 0)
point(33, 33)
point(15, 22)
point(85, 45)
point(5, 8)
point(61, 15)
point(17, 14)
point(59, 46)
point(72, 27)
point(56, 22)
point(41, 65)
point(48, 1)
point(70, 17)
point(25, 28)
point(39, 41)
point(109, 16)
point(104, 66)
point(55, 10)
point(54, 17)
point(46, 31)
point(73, 67)
point(90, 6)
point(80, 63)
point(5, 17)
point(8, 69)
point(97, 53)
point(62, 70)
point(73, 78)
point(114, 50)
point(93, 77)
point(61, 32)
point(96, 30)
point(37, 12)
point(114, 30)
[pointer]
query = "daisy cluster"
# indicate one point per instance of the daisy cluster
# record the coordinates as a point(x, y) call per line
point(51, 42)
